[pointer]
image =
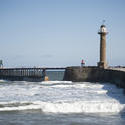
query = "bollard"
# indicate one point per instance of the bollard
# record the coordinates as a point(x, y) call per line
point(46, 78)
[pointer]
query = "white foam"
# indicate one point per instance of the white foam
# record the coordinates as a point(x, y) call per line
point(62, 97)
point(74, 107)
point(2, 81)
point(80, 107)
point(54, 82)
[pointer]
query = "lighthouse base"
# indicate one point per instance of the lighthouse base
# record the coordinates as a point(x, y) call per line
point(102, 65)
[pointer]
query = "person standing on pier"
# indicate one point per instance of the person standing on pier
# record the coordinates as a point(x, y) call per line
point(82, 63)
point(1, 64)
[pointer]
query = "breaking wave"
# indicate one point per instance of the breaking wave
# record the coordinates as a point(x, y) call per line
point(65, 107)
point(2, 81)
point(62, 97)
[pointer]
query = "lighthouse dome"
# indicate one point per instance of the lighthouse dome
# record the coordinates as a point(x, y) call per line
point(103, 29)
point(103, 26)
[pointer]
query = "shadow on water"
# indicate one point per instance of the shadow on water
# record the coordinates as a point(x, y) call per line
point(115, 92)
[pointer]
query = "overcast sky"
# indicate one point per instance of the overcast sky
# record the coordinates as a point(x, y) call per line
point(60, 32)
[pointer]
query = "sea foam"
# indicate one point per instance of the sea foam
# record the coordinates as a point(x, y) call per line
point(67, 107)
point(62, 97)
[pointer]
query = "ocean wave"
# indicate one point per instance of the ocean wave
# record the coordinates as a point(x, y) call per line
point(13, 104)
point(55, 82)
point(66, 107)
point(3, 81)
point(62, 97)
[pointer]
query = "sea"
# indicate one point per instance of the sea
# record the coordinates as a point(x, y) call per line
point(57, 102)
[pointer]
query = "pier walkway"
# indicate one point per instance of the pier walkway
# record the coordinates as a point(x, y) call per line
point(117, 68)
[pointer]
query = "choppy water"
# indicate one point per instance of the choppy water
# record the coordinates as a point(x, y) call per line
point(61, 103)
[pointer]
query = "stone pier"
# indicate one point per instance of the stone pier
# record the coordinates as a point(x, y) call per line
point(95, 74)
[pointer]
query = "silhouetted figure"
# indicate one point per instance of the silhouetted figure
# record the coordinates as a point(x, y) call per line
point(1, 64)
point(82, 63)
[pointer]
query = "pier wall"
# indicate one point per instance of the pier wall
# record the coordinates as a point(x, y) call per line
point(95, 74)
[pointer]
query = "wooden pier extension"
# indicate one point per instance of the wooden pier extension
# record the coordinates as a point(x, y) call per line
point(26, 74)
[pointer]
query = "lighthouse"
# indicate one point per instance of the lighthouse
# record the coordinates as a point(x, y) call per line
point(102, 32)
